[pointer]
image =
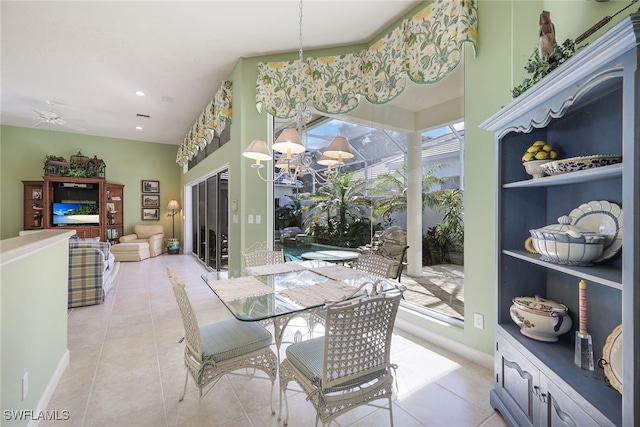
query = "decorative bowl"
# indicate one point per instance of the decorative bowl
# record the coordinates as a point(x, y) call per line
point(567, 244)
point(534, 167)
point(539, 318)
point(574, 164)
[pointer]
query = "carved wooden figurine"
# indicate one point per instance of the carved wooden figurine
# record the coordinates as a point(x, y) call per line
point(547, 36)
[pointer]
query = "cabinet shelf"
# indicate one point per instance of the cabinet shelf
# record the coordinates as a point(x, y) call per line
point(558, 358)
point(603, 274)
point(601, 173)
point(587, 106)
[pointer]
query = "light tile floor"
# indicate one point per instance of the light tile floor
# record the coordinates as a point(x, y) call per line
point(126, 368)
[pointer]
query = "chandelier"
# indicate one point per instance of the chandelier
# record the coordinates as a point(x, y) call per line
point(293, 160)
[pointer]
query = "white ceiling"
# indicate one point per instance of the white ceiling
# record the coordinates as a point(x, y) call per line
point(90, 57)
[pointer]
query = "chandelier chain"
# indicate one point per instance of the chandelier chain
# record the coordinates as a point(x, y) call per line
point(300, 102)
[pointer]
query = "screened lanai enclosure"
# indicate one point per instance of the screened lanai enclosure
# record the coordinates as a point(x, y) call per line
point(370, 189)
point(309, 197)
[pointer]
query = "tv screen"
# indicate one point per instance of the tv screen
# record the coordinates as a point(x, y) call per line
point(76, 214)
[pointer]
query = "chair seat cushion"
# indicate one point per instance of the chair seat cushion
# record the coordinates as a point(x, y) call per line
point(307, 357)
point(230, 338)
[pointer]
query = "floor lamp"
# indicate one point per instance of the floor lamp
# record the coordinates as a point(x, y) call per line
point(174, 244)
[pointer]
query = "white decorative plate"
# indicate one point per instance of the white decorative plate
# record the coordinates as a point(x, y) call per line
point(603, 218)
point(612, 355)
point(574, 164)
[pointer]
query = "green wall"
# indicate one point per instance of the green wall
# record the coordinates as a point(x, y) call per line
point(508, 32)
point(33, 319)
point(22, 151)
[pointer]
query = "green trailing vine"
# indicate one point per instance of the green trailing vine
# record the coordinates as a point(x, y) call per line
point(538, 68)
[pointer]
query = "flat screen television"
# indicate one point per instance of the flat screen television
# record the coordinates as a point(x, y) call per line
point(76, 214)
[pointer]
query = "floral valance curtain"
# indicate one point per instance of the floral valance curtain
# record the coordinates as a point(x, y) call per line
point(424, 48)
point(213, 119)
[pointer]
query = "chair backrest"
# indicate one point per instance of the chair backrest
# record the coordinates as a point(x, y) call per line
point(398, 255)
point(189, 320)
point(376, 265)
point(357, 344)
point(145, 231)
point(262, 257)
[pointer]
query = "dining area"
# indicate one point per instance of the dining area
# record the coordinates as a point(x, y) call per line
point(342, 359)
point(127, 367)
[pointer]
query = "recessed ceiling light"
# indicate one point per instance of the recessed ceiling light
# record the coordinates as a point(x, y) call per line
point(139, 127)
point(140, 93)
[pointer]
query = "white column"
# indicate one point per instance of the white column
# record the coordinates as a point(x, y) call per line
point(414, 205)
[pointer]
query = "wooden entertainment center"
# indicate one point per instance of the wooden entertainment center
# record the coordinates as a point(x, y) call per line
point(106, 222)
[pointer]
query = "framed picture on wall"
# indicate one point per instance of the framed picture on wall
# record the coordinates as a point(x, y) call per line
point(150, 200)
point(150, 186)
point(150, 214)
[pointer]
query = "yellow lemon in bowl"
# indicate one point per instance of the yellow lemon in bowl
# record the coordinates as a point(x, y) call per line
point(539, 150)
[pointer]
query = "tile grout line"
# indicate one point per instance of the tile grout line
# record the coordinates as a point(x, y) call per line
point(114, 292)
point(155, 342)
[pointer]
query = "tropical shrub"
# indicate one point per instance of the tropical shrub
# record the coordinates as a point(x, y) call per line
point(338, 214)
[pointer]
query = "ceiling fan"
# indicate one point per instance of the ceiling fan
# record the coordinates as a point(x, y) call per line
point(51, 117)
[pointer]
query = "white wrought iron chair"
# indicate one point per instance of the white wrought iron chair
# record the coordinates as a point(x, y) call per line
point(376, 265)
point(217, 349)
point(259, 254)
point(350, 366)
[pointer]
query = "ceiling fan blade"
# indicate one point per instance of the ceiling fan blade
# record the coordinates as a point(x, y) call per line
point(47, 115)
point(74, 127)
point(51, 117)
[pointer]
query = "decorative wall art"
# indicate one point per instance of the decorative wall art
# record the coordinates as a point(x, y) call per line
point(150, 186)
point(150, 200)
point(150, 214)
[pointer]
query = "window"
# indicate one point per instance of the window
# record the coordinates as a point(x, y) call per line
point(380, 152)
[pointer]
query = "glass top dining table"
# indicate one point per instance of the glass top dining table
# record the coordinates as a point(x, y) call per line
point(271, 291)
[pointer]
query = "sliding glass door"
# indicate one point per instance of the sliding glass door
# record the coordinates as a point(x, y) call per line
point(210, 220)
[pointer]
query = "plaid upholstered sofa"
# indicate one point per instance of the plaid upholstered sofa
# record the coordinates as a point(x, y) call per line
point(91, 271)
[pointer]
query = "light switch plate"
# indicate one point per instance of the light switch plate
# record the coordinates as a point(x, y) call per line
point(478, 320)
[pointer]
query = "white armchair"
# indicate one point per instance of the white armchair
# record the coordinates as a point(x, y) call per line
point(151, 234)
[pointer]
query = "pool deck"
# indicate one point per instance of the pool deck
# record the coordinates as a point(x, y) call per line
point(441, 288)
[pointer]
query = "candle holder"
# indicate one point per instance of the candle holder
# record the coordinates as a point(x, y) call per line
point(583, 355)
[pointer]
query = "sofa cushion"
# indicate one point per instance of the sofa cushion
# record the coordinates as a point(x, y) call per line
point(85, 239)
point(81, 243)
point(146, 231)
point(86, 269)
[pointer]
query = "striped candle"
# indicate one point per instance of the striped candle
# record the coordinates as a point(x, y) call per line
point(583, 307)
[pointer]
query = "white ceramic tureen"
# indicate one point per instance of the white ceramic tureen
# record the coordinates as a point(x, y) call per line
point(539, 318)
point(564, 243)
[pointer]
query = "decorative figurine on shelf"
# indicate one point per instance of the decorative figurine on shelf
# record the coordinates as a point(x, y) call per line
point(547, 35)
point(96, 167)
point(547, 56)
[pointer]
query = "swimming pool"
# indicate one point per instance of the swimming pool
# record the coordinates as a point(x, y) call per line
point(294, 253)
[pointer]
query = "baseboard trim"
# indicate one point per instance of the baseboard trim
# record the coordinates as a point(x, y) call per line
point(51, 387)
point(476, 356)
